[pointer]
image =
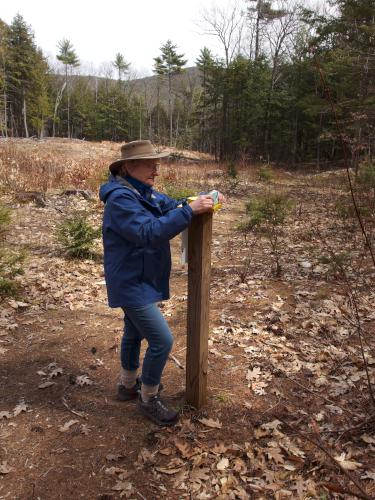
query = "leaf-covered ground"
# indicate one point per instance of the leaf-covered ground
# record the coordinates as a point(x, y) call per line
point(289, 412)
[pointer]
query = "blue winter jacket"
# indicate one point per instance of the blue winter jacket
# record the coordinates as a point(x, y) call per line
point(136, 234)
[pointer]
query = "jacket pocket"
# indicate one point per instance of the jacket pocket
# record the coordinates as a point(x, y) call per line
point(153, 265)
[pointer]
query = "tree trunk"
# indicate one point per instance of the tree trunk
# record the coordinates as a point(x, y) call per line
point(318, 142)
point(68, 95)
point(259, 6)
point(176, 131)
point(170, 109)
point(157, 109)
point(57, 104)
point(25, 115)
point(5, 114)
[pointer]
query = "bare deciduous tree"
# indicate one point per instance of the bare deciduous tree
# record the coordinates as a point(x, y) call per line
point(227, 25)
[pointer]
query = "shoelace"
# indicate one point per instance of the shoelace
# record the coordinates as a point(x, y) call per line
point(159, 402)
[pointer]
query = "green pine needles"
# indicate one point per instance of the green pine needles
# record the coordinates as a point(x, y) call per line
point(10, 261)
point(77, 236)
point(267, 215)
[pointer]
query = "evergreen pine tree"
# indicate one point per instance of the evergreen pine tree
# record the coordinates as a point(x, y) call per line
point(169, 63)
point(25, 79)
point(67, 55)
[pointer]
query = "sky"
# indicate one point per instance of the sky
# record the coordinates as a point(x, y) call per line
point(98, 30)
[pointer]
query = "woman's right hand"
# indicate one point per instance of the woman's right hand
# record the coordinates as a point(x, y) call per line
point(204, 203)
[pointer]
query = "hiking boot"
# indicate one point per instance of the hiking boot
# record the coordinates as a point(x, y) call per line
point(157, 411)
point(125, 394)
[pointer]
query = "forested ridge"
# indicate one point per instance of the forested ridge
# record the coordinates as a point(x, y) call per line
point(291, 85)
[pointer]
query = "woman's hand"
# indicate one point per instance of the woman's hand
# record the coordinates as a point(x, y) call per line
point(221, 198)
point(204, 203)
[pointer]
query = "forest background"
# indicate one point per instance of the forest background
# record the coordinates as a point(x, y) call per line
point(265, 97)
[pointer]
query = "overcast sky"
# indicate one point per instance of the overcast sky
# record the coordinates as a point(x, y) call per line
point(98, 30)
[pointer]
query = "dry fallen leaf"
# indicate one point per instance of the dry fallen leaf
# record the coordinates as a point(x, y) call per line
point(209, 422)
point(368, 439)
point(347, 464)
point(168, 471)
point(369, 475)
point(55, 372)
point(85, 429)
point(253, 374)
point(16, 304)
point(219, 449)
point(274, 453)
point(199, 474)
point(184, 449)
point(67, 425)
point(4, 468)
point(82, 380)
point(166, 451)
point(124, 487)
point(113, 457)
point(46, 384)
point(223, 464)
point(114, 470)
point(22, 406)
point(5, 414)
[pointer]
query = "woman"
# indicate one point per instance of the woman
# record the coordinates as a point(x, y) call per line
point(137, 226)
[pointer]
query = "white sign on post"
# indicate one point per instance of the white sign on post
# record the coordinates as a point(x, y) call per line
point(184, 246)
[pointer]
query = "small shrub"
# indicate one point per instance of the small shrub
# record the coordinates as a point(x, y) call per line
point(242, 265)
point(178, 192)
point(232, 171)
point(337, 263)
point(267, 215)
point(10, 261)
point(366, 187)
point(271, 209)
point(366, 175)
point(4, 219)
point(265, 174)
point(346, 210)
point(77, 236)
point(10, 267)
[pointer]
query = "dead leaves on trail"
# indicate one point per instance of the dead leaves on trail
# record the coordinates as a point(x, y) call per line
point(19, 408)
point(203, 466)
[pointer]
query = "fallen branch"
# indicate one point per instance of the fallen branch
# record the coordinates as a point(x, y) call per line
point(175, 360)
point(362, 493)
point(78, 413)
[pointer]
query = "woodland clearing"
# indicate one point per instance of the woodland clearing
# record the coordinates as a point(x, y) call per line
point(289, 413)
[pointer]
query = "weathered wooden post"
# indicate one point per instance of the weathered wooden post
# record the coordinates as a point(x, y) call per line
point(198, 308)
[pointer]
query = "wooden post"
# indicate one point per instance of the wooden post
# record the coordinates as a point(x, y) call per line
point(198, 308)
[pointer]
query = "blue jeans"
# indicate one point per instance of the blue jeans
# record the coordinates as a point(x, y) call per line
point(146, 322)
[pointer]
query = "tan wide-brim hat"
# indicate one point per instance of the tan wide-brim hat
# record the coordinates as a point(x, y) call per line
point(136, 150)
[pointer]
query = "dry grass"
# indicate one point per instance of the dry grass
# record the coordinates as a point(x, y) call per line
point(29, 165)
point(22, 170)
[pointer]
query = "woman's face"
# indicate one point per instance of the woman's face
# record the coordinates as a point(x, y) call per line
point(144, 170)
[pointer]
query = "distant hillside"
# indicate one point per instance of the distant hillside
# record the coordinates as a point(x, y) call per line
point(184, 84)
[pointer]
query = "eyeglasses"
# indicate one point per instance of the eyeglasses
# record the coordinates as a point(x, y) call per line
point(152, 166)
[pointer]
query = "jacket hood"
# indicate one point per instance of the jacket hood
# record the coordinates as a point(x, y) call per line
point(108, 188)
